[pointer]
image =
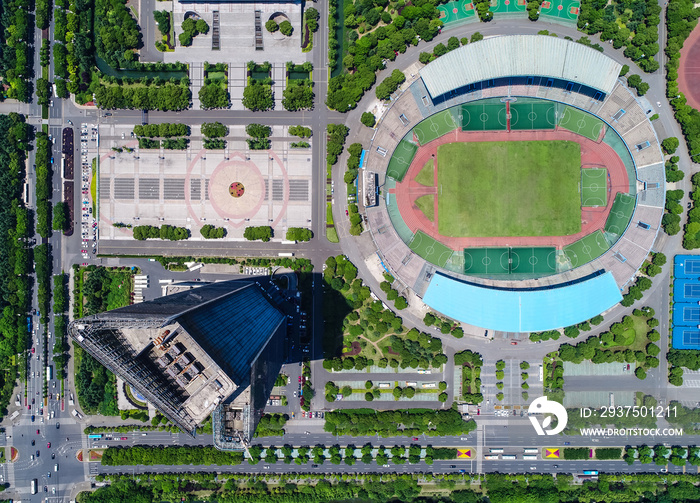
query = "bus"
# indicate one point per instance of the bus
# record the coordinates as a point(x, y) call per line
point(34, 483)
point(95, 435)
point(496, 451)
point(531, 450)
point(26, 194)
point(489, 457)
point(590, 472)
point(510, 456)
point(530, 457)
point(49, 373)
point(285, 254)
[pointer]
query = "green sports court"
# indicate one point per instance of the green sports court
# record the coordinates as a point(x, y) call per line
point(620, 213)
point(586, 249)
point(487, 261)
point(490, 189)
point(431, 250)
point(401, 159)
point(457, 12)
point(508, 6)
point(580, 122)
point(533, 115)
point(434, 127)
point(526, 260)
point(561, 10)
point(489, 116)
point(594, 187)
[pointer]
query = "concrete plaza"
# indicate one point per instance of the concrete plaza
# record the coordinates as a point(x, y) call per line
point(232, 188)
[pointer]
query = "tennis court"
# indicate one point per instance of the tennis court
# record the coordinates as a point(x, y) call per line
point(457, 11)
point(533, 260)
point(484, 117)
point(486, 261)
point(540, 115)
point(620, 213)
point(434, 127)
point(431, 250)
point(691, 314)
point(594, 187)
point(508, 6)
point(691, 339)
point(582, 123)
point(562, 10)
point(586, 249)
point(691, 291)
point(692, 266)
point(401, 160)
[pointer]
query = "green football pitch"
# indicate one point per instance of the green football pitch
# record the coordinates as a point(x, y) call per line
point(518, 188)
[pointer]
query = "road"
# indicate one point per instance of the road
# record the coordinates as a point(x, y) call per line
point(512, 433)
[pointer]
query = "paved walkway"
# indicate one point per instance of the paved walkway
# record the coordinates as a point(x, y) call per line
point(592, 219)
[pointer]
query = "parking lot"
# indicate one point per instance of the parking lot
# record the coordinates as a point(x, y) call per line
point(89, 144)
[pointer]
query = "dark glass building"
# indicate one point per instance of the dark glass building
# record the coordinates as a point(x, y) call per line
point(218, 346)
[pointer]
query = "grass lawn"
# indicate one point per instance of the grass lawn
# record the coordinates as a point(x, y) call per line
point(524, 188)
point(426, 176)
point(216, 75)
point(427, 206)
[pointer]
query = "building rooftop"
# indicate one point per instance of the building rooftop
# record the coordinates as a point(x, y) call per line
point(522, 56)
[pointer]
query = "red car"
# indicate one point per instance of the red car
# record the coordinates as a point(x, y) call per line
point(299, 378)
point(124, 438)
point(37, 432)
point(48, 445)
point(513, 343)
point(32, 350)
point(346, 213)
point(415, 439)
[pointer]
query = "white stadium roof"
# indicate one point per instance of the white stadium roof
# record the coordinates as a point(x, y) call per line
point(523, 56)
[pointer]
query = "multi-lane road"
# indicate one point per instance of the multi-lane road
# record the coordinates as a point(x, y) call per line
point(512, 434)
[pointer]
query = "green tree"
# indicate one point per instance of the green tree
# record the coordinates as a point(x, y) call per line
point(272, 26)
point(258, 97)
point(670, 145)
point(60, 217)
point(286, 28)
point(368, 119)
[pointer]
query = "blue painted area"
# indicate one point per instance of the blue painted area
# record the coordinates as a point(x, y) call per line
point(362, 159)
point(522, 310)
point(382, 262)
point(686, 302)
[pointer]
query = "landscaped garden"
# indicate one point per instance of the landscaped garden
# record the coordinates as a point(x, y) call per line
point(214, 93)
point(359, 331)
point(257, 95)
point(98, 289)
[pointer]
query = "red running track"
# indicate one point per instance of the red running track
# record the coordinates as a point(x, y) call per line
point(689, 69)
point(592, 219)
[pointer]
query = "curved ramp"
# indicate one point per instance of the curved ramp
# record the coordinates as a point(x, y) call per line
point(522, 310)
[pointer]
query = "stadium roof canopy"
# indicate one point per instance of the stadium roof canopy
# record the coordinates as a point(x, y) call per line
point(516, 310)
point(520, 56)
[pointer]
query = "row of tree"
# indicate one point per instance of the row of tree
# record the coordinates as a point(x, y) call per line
point(163, 130)
point(16, 33)
point(208, 231)
point(214, 130)
point(263, 233)
point(336, 142)
point(169, 232)
point(167, 97)
point(15, 254)
point(299, 234)
point(681, 18)
point(360, 422)
point(691, 231)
